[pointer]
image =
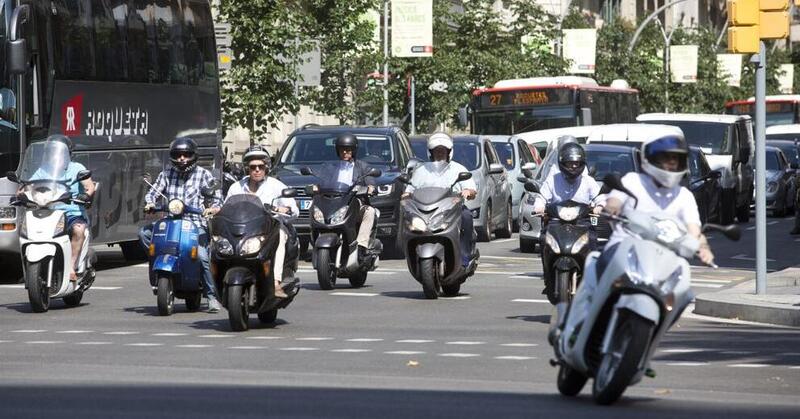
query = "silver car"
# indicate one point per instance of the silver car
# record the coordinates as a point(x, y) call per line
point(530, 227)
point(491, 209)
point(516, 155)
point(780, 178)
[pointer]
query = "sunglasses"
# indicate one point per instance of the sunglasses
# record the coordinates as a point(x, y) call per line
point(180, 154)
point(261, 167)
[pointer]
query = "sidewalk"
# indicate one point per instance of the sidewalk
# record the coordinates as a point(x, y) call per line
point(781, 304)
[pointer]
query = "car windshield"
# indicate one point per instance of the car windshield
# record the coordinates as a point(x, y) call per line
point(315, 148)
point(605, 162)
point(506, 153)
point(708, 135)
point(420, 150)
point(772, 161)
point(788, 148)
point(468, 153)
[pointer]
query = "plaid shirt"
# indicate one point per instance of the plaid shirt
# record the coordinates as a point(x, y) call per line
point(186, 187)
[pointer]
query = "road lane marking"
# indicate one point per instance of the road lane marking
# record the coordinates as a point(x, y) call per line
point(505, 240)
point(314, 338)
point(707, 285)
point(520, 345)
point(247, 347)
point(264, 337)
point(459, 355)
point(718, 281)
point(789, 354)
point(772, 223)
point(465, 342)
point(6, 341)
point(524, 277)
point(94, 343)
point(528, 300)
point(795, 367)
point(404, 352)
point(681, 351)
point(365, 340)
point(144, 344)
point(515, 358)
point(751, 228)
point(744, 256)
point(193, 346)
point(530, 259)
point(352, 350)
point(415, 341)
point(687, 364)
point(354, 294)
point(748, 365)
point(215, 336)
point(460, 297)
point(299, 348)
point(44, 342)
point(121, 333)
point(20, 286)
point(74, 331)
point(28, 331)
point(169, 334)
point(737, 352)
point(106, 288)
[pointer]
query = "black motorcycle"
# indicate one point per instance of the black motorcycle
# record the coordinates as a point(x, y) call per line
point(569, 236)
point(335, 219)
point(244, 238)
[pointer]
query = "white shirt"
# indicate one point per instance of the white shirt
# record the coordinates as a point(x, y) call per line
point(428, 175)
point(346, 172)
point(676, 201)
point(269, 189)
point(555, 189)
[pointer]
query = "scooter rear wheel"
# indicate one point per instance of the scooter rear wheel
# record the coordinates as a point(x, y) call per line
point(73, 299)
point(165, 297)
point(36, 282)
point(193, 302)
point(358, 279)
point(269, 316)
point(570, 382)
point(326, 276)
point(427, 274)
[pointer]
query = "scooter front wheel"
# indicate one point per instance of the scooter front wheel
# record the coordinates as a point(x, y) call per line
point(36, 282)
point(621, 363)
point(165, 297)
point(427, 275)
point(239, 307)
point(326, 275)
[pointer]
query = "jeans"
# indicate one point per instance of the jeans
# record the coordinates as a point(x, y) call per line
point(209, 289)
point(467, 239)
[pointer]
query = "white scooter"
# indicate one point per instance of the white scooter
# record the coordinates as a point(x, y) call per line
point(629, 298)
point(44, 240)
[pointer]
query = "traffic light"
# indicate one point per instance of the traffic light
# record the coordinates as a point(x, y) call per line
point(743, 24)
point(774, 19)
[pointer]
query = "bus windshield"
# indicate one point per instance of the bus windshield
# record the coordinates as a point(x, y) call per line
point(517, 121)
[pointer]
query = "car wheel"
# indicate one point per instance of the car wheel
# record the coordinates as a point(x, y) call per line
point(505, 231)
point(485, 231)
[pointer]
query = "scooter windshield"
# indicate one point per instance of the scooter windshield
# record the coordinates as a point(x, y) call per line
point(328, 178)
point(45, 161)
point(242, 208)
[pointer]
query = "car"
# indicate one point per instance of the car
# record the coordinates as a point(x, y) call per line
point(386, 148)
point(491, 209)
point(517, 156)
point(631, 135)
point(780, 177)
point(704, 185)
point(727, 141)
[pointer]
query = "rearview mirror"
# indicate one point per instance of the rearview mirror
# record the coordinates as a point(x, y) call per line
point(306, 171)
point(83, 175)
point(12, 176)
point(373, 172)
point(522, 179)
point(732, 232)
point(531, 187)
point(17, 53)
point(404, 178)
point(208, 191)
point(495, 168)
point(715, 174)
point(464, 176)
point(288, 193)
point(412, 164)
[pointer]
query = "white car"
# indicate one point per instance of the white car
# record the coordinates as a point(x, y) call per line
point(630, 134)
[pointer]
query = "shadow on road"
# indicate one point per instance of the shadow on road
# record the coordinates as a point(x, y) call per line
point(545, 318)
point(216, 401)
point(222, 325)
point(411, 295)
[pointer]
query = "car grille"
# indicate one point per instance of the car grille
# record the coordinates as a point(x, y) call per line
point(387, 214)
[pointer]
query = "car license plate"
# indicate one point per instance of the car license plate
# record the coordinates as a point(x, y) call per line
point(593, 220)
point(305, 204)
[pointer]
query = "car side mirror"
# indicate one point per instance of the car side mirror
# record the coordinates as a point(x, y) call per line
point(715, 174)
point(373, 172)
point(83, 175)
point(528, 166)
point(17, 55)
point(531, 187)
point(12, 176)
point(306, 171)
point(412, 164)
point(464, 176)
point(288, 193)
point(522, 179)
point(208, 191)
point(404, 179)
point(495, 168)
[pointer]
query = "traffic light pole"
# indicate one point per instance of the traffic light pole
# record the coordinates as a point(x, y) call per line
point(761, 200)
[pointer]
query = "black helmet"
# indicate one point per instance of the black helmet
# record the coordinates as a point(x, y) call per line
point(571, 152)
point(64, 139)
point(183, 145)
point(255, 152)
point(347, 140)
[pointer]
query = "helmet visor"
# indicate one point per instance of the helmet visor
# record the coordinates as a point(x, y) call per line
point(665, 145)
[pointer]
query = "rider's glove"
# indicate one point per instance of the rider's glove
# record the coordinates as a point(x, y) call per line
point(149, 207)
point(84, 197)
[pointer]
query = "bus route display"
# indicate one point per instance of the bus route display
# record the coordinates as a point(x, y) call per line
point(527, 97)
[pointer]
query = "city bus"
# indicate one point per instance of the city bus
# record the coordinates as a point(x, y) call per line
point(121, 78)
point(781, 109)
point(522, 105)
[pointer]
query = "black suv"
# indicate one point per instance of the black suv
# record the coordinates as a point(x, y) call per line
point(385, 148)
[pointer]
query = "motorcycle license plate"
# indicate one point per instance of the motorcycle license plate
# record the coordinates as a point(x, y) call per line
point(305, 204)
point(593, 220)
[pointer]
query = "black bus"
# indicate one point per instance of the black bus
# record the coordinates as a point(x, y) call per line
point(522, 105)
point(121, 78)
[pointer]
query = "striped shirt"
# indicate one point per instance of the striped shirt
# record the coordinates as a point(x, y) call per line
point(186, 187)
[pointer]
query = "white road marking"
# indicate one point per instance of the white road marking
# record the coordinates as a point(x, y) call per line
point(520, 345)
point(694, 284)
point(351, 350)
point(94, 343)
point(499, 273)
point(6, 341)
point(515, 358)
point(16, 286)
point(215, 336)
point(314, 338)
point(354, 294)
point(264, 337)
point(789, 354)
point(795, 367)
point(528, 259)
point(751, 228)
point(44, 342)
point(745, 257)
point(247, 347)
point(737, 352)
point(404, 352)
point(415, 341)
point(28, 331)
point(772, 223)
point(121, 333)
point(524, 277)
point(687, 364)
point(748, 365)
point(459, 355)
point(74, 331)
point(106, 288)
point(299, 348)
point(718, 281)
point(365, 340)
point(169, 334)
point(20, 286)
point(143, 344)
point(193, 346)
point(529, 300)
point(504, 241)
point(465, 342)
point(681, 351)
point(460, 297)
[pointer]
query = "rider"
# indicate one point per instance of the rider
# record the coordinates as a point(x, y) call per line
point(571, 182)
point(268, 189)
point(442, 172)
point(349, 170)
point(75, 214)
point(184, 181)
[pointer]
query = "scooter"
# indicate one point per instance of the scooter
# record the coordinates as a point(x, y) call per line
point(334, 228)
point(568, 239)
point(175, 267)
point(431, 239)
point(45, 244)
point(245, 236)
point(643, 283)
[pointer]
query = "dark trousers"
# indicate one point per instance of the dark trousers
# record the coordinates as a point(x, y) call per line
point(467, 235)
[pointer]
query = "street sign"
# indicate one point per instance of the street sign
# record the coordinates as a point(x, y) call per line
point(309, 70)
point(222, 33)
point(683, 63)
point(729, 68)
point(580, 48)
point(412, 28)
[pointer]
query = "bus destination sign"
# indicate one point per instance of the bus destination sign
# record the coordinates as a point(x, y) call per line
point(527, 97)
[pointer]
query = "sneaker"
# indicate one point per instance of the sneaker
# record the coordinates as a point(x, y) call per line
point(213, 305)
point(279, 293)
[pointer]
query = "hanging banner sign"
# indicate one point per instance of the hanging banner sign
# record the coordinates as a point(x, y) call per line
point(683, 63)
point(580, 47)
point(786, 80)
point(412, 28)
point(729, 67)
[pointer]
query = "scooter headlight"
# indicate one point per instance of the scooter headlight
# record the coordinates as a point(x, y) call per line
point(634, 270)
point(60, 226)
point(339, 216)
point(552, 243)
point(580, 243)
point(418, 225)
point(318, 216)
point(222, 245)
point(568, 213)
point(384, 190)
point(175, 207)
point(252, 245)
point(668, 285)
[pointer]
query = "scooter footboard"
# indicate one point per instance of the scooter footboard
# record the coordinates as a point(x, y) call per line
point(641, 304)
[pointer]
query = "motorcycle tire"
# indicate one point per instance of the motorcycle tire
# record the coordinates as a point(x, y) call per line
point(358, 279)
point(193, 302)
point(326, 277)
point(239, 307)
point(427, 274)
point(563, 281)
point(620, 365)
point(36, 282)
point(268, 317)
point(74, 299)
point(451, 290)
point(569, 381)
point(165, 297)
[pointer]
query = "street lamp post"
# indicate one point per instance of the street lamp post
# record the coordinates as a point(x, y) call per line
point(385, 63)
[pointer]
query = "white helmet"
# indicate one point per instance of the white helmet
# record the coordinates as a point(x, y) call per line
point(438, 139)
point(674, 144)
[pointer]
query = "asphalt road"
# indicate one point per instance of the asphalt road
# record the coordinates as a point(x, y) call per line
point(379, 351)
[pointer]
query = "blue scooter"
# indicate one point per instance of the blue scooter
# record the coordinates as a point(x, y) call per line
point(175, 267)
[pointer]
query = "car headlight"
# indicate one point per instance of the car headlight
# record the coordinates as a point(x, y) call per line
point(668, 231)
point(384, 190)
point(8, 212)
point(418, 225)
point(60, 226)
point(552, 243)
point(222, 245)
point(252, 245)
point(339, 216)
point(175, 207)
point(772, 187)
point(568, 213)
point(580, 243)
